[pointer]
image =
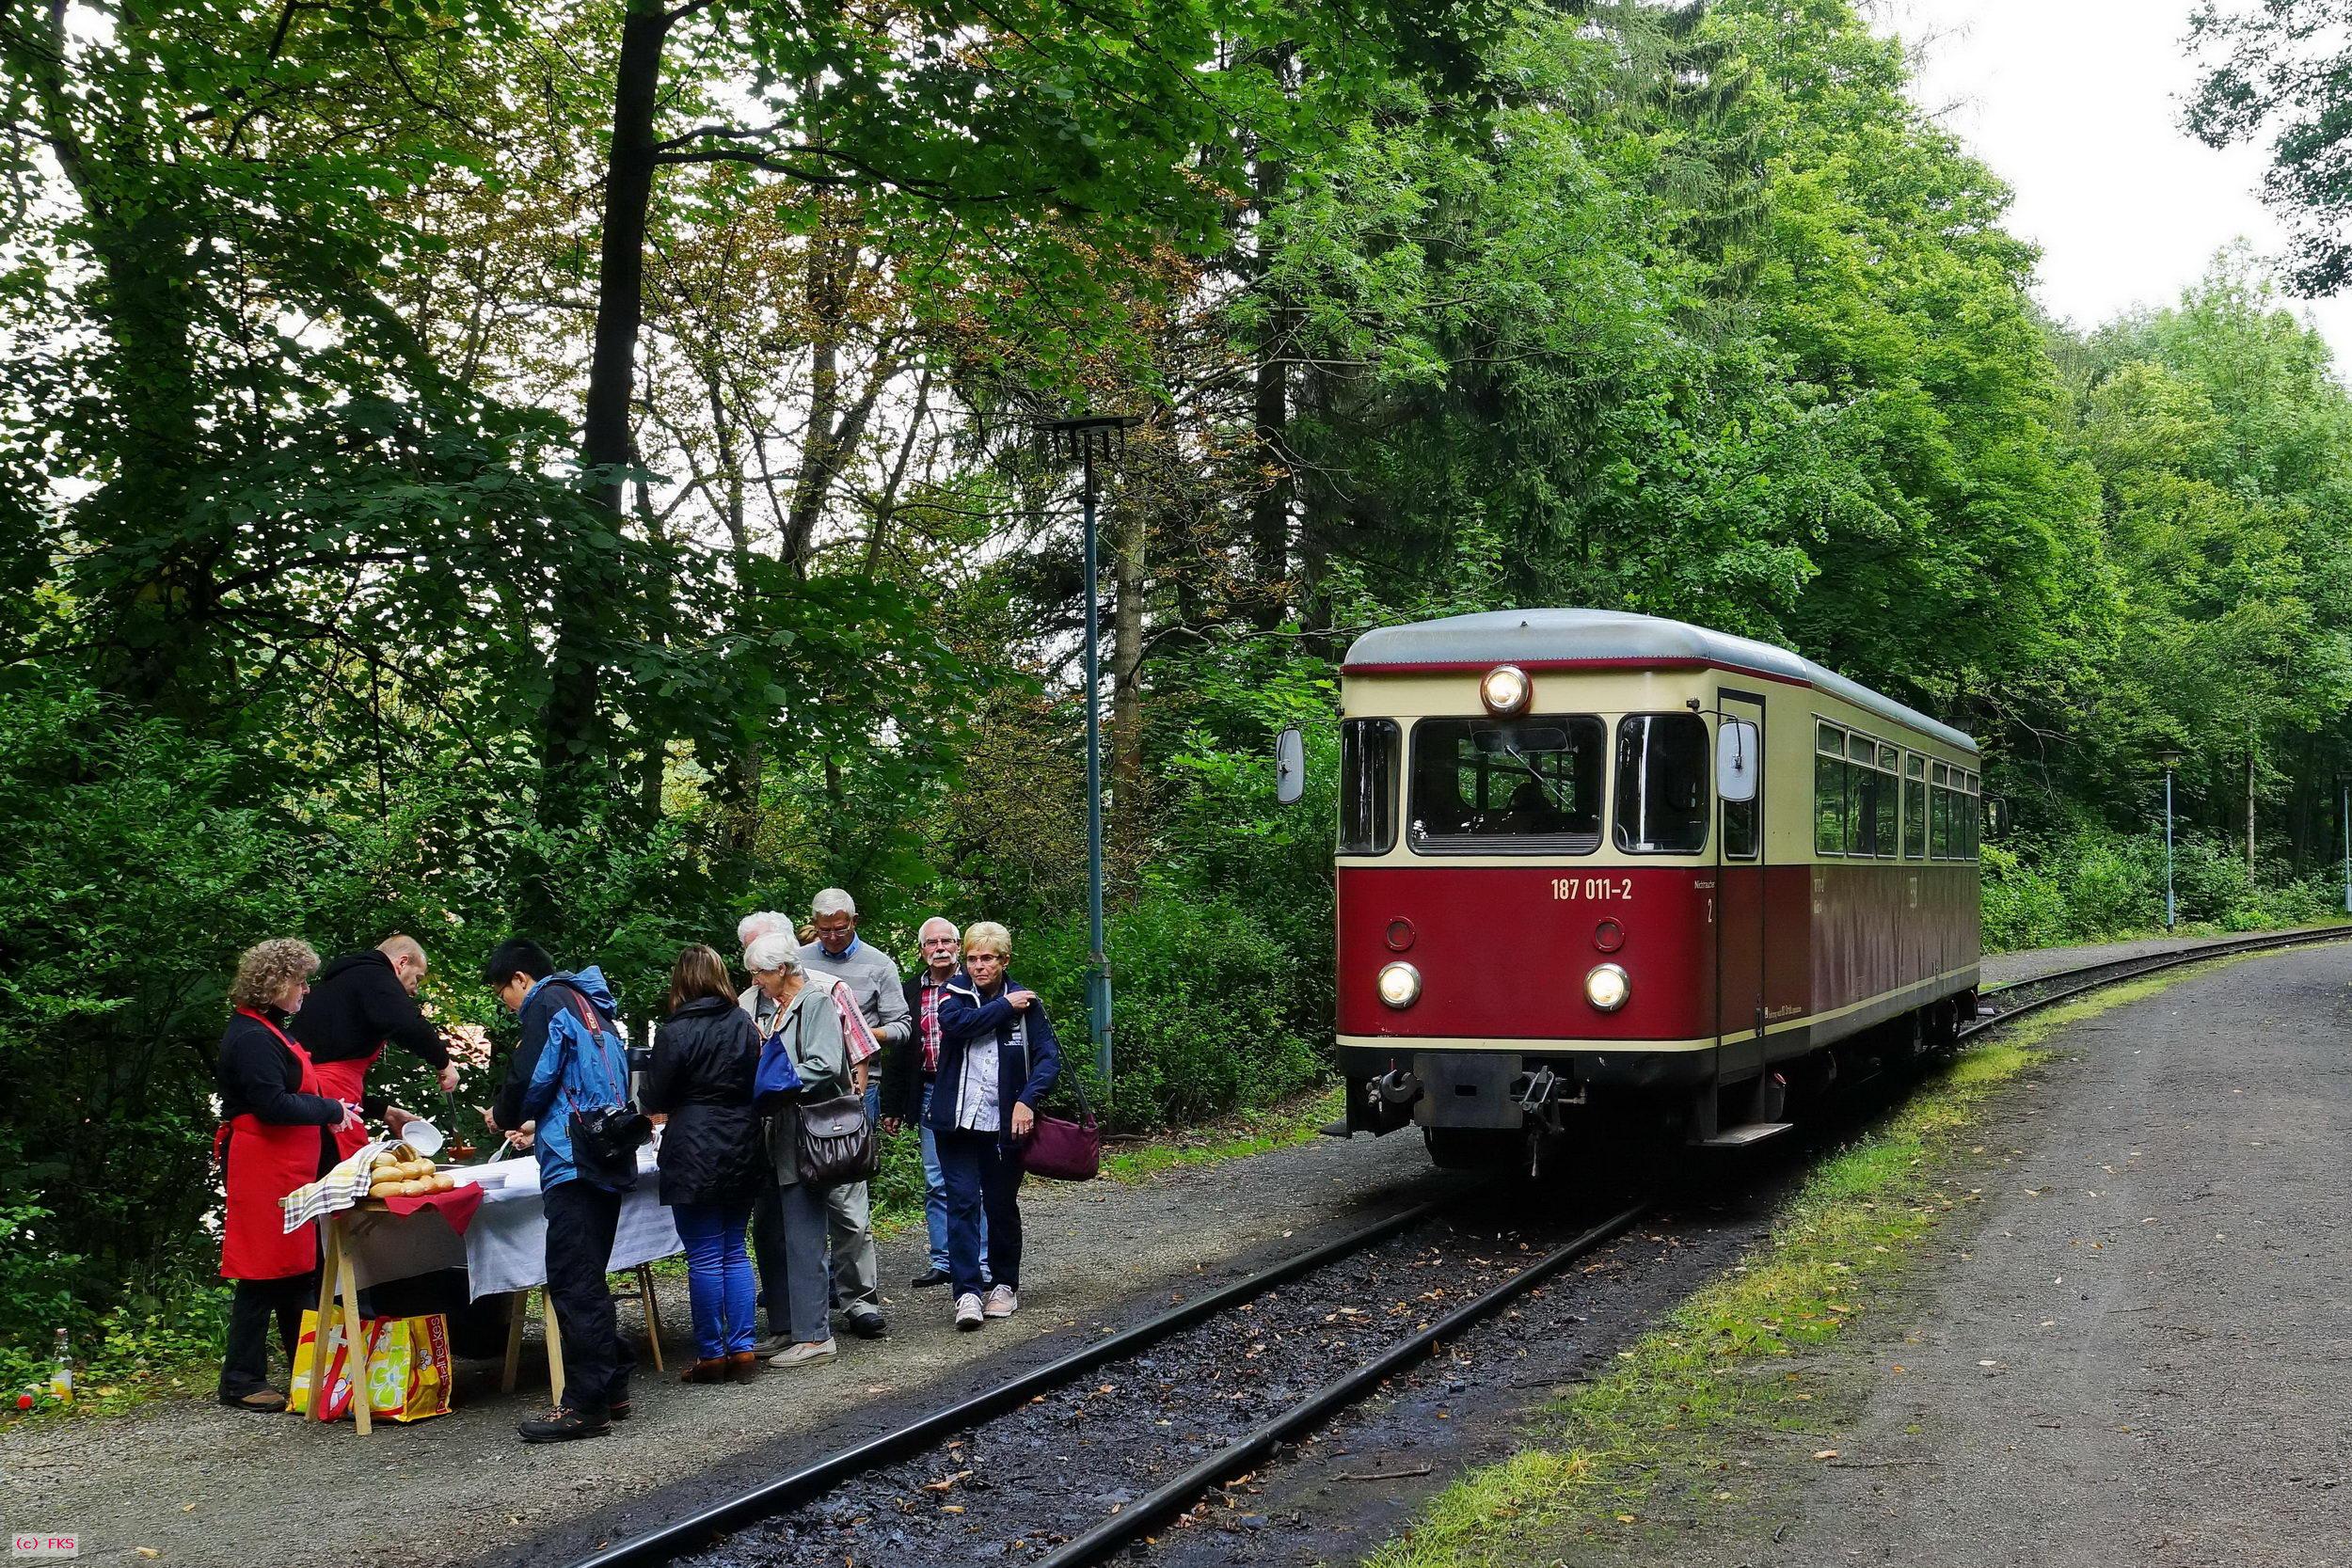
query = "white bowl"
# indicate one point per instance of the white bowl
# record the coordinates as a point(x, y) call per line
point(423, 1136)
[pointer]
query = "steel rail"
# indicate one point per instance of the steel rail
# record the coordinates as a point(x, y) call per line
point(2142, 964)
point(699, 1529)
point(1123, 1527)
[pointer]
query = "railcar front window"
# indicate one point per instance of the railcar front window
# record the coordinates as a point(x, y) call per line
point(1663, 762)
point(1368, 757)
point(1508, 785)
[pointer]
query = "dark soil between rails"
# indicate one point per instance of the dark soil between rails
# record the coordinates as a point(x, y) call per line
point(1014, 1487)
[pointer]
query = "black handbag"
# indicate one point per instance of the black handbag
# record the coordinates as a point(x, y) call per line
point(837, 1142)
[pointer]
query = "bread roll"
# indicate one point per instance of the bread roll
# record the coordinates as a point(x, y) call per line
point(384, 1161)
point(416, 1187)
point(445, 1183)
point(385, 1189)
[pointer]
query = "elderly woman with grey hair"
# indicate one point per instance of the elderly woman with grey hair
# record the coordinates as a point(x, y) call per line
point(788, 1218)
point(853, 1267)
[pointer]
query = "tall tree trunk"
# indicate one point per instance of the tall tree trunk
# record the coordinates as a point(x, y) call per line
point(834, 430)
point(1269, 512)
point(2249, 805)
point(571, 741)
point(148, 568)
point(738, 783)
point(826, 291)
point(1319, 517)
point(653, 747)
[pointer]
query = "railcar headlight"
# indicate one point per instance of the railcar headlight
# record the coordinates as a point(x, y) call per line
point(1400, 985)
point(1505, 689)
point(1606, 988)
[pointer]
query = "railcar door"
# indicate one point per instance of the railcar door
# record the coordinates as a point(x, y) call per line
point(1739, 905)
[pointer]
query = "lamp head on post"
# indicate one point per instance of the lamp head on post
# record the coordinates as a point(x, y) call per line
point(2170, 759)
point(1087, 436)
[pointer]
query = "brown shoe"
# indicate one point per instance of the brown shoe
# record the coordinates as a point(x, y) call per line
point(743, 1366)
point(266, 1402)
point(711, 1370)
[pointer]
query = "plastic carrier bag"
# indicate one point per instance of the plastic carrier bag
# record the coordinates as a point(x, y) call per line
point(408, 1368)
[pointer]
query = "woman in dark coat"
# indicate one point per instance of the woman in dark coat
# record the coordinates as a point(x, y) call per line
point(703, 1058)
point(276, 1134)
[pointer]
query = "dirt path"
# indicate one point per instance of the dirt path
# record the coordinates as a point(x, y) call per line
point(2145, 1354)
point(203, 1485)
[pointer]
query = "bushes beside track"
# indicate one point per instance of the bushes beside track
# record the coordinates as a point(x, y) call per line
point(2094, 885)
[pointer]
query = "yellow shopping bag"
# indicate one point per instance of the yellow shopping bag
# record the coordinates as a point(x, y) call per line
point(408, 1368)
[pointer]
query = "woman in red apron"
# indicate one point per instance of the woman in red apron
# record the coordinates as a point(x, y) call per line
point(276, 1134)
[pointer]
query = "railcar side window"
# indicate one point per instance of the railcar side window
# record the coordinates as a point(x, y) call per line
point(1665, 771)
point(1829, 792)
point(1368, 755)
point(1886, 807)
point(1860, 792)
point(1939, 815)
point(1511, 785)
point(1915, 806)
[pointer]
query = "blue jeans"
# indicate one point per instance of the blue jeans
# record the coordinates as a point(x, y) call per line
point(935, 1196)
point(718, 1275)
point(983, 1190)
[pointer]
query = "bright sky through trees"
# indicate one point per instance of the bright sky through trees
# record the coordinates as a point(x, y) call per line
point(2077, 104)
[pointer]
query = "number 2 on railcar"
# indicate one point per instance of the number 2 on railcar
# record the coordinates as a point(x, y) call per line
point(1598, 870)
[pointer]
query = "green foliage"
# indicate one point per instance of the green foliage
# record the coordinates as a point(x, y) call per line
point(2094, 885)
point(1200, 1019)
point(2280, 68)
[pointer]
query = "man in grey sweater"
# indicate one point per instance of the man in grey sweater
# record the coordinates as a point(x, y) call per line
point(872, 977)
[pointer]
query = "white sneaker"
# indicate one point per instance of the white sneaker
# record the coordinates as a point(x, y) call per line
point(1003, 1301)
point(802, 1354)
point(967, 1312)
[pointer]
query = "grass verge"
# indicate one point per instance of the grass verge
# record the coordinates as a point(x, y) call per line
point(1292, 1122)
point(1737, 1362)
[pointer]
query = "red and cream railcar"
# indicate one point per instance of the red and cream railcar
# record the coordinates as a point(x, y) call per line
point(1597, 865)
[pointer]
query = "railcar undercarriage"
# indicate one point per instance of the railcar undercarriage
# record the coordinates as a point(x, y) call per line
point(1522, 1110)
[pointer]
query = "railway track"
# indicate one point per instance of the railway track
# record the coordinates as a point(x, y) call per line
point(942, 1445)
point(2006, 1003)
point(1116, 1395)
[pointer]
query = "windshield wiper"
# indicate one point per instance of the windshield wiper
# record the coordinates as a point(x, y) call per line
point(1558, 802)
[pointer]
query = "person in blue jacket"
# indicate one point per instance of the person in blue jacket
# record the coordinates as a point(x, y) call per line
point(572, 1057)
point(997, 1058)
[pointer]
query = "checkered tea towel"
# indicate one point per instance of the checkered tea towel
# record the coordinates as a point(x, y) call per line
point(339, 1189)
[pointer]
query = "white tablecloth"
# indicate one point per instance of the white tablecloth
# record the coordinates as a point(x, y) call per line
point(506, 1249)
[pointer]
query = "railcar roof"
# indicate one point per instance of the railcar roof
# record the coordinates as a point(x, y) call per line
point(1543, 636)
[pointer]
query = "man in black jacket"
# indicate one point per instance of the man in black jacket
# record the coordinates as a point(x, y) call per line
point(358, 1004)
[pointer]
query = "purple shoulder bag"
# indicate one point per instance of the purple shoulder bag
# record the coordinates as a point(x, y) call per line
point(1058, 1149)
